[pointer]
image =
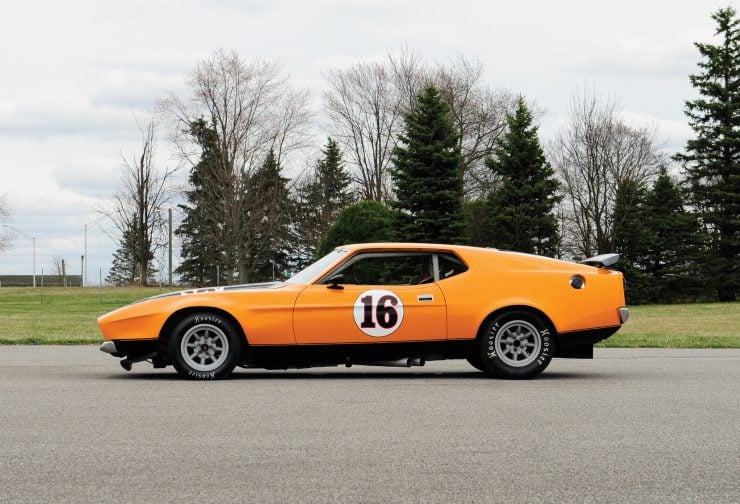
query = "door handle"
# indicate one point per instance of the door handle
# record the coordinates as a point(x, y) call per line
point(425, 298)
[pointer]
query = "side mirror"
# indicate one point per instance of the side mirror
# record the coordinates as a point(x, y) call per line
point(335, 281)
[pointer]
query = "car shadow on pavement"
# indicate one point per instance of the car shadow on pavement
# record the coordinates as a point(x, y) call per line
point(257, 375)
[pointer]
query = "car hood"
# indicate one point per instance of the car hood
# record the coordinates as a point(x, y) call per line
point(161, 300)
point(225, 288)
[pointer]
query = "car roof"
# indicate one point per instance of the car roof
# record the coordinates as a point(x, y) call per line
point(470, 254)
point(406, 246)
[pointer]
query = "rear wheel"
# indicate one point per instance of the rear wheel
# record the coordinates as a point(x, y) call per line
point(517, 345)
point(204, 346)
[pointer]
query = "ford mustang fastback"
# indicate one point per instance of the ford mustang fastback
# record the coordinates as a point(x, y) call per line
point(382, 304)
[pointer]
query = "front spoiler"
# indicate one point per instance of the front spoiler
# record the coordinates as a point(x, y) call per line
point(135, 351)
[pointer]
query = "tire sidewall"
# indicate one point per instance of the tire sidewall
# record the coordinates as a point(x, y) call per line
point(489, 354)
point(194, 319)
point(477, 363)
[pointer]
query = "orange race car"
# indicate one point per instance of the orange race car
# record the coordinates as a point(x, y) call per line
point(382, 304)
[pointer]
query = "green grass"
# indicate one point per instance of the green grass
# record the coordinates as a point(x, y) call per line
point(705, 325)
point(68, 316)
point(59, 316)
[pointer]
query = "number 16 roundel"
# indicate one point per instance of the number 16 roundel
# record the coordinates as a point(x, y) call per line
point(378, 312)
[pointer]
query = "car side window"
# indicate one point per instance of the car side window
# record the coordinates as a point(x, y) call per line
point(450, 265)
point(389, 269)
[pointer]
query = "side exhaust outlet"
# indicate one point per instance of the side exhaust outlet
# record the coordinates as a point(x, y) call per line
point(407, 362)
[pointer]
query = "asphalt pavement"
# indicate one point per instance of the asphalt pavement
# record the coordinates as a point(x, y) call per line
point(629, 426)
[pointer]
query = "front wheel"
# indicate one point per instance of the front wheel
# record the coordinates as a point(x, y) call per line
point(517, 345)
point(204, 346)
point(477, 363)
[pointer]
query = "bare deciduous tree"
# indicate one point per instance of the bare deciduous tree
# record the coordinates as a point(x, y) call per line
point(479, 115)
point(291, 123)
point(59, 268)
point(6, 238)
point(366, 104)
point(595, 154)
point(136, 209)
point(410, 76)
point(252, 110)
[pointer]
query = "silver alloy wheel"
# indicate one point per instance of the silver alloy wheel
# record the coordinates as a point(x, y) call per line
point(204, 347)
point(518, 343)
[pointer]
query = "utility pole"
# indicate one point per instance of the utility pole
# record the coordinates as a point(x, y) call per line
point(84, 261)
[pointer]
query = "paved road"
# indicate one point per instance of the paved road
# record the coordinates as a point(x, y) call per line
point(628, 426)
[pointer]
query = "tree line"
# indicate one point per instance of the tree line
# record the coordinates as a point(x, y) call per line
point(430, 153)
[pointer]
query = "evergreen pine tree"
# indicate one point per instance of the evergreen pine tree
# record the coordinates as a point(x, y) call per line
point(712, 159)
point(426, 173)
point(674, 246)
point(478, 222)
point(320, 200)
point(521, 209)
point(631, 239)
point(659, 243)
point(200, 231)
point(122, 271)
point(269, 223)
point(125, 269)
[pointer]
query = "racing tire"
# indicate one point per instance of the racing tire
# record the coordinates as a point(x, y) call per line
point(516, 345)
point(205, 346)
point(477, 363)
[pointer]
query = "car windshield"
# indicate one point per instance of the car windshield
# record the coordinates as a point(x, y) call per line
point(310, 272)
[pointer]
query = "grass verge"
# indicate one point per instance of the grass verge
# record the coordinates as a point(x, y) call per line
point(58, 316)
point(705, 325)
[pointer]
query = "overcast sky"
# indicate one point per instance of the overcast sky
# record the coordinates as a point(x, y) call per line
point(75, 73)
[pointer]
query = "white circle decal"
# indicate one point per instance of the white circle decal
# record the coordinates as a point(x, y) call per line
point(378, 312)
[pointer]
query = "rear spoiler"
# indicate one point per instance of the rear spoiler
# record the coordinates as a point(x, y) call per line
point(602, 261)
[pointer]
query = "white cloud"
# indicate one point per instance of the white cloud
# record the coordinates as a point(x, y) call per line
point(52, 115)
point(88, 177)
point(75, 73)
point(133, 89)
point(639, 57)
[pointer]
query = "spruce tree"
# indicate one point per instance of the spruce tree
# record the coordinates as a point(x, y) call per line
point(426, 173)
point(126, 269)
point(659, 243)
point(674, 245)
point(266, 258)
point(321, 198)
point(522, 217)
point(478, 222)
point(201, 230)
point(712, 159)
point(123, 268)
point(632, 239)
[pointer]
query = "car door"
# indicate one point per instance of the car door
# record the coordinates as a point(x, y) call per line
point(382, 297)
